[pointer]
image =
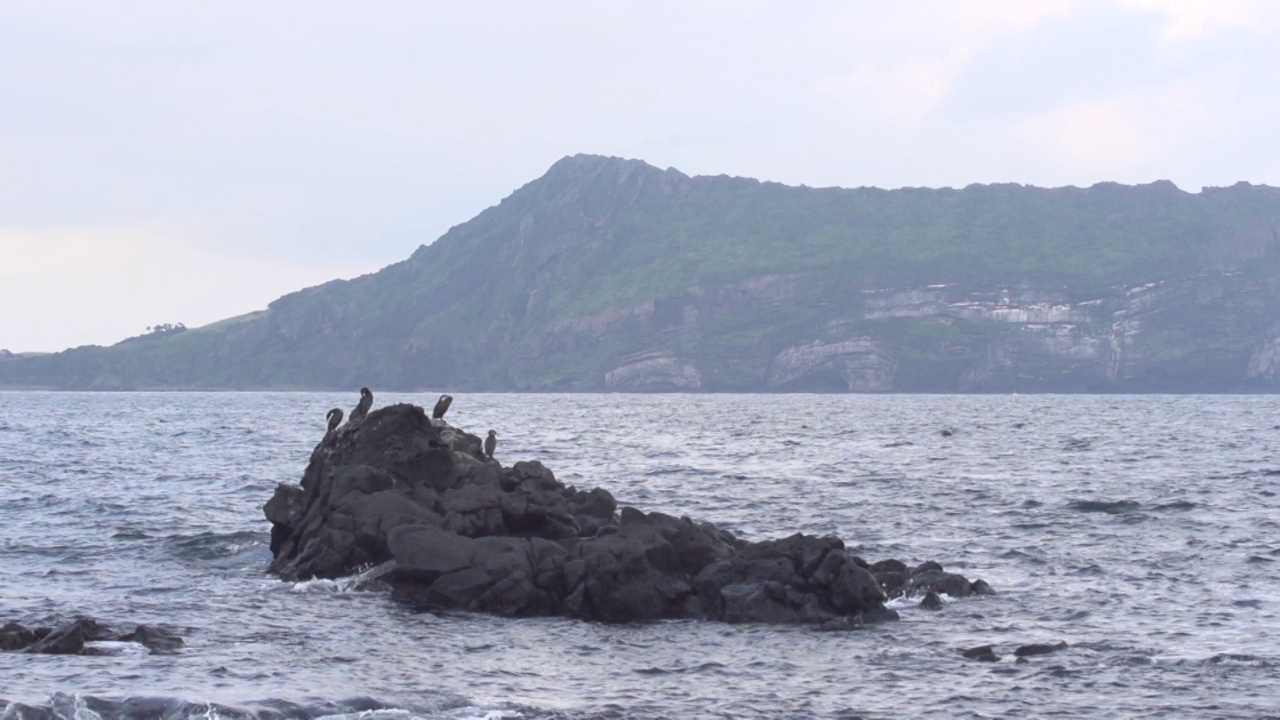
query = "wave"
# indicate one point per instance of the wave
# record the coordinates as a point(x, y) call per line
point(65, 706)
point(1239, 659)
point(1016, 554)
point(682, 669)
point(367, 579)
point(678, 470)
point(1077, 445)
point(212, 546)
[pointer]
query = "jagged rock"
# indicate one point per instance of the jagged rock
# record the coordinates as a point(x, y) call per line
point(894, 584)
point(620, 577)
point(801, 578)
point(878, 615)
point(931, 601)
point(15, 637)
point(889, 565)
point(458, 531)
point(158, 640)
point(984, 653)
point(70, 638)
point(926, 566)
point(939, 581)
point(980, 587)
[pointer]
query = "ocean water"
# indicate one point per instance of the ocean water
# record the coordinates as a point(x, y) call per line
point(1143, 531)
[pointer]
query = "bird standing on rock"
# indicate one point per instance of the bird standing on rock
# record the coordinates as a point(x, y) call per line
point(362, 408)
point(335, 417)
point(442, 406)
point(490, 444)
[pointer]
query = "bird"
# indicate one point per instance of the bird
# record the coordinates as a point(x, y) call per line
point(335, 417)
point(362, 408)
point(442, 406)
point(490, 443)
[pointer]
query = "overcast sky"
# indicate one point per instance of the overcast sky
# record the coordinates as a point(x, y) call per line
point(166, 162)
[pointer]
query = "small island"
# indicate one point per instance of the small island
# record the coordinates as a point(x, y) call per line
point(447, 528)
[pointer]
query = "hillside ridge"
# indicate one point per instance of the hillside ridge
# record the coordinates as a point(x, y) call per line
point(612, 274)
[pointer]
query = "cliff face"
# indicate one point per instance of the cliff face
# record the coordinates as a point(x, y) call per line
point(610, 274)
point(1215, 331)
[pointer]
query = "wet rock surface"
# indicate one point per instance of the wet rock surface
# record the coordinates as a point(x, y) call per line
point(78, 637)
point(987, 653)
point(981, 653)
point(453, 529)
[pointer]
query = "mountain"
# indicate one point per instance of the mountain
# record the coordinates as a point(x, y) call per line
point(611, 274)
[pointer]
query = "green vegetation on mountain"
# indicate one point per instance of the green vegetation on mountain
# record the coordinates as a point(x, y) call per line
point(610, 273)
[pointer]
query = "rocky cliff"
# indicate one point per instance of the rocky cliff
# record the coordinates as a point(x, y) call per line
point(610, 274)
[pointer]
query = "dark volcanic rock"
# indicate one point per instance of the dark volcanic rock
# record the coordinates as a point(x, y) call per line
point(894, 584)
point(931, 601)
point(157, 640)
point(1039, 649)
point(467, 533)
point(984, 653)
point(890, 565)
point(939, 581)
point(15, 637)
point(980, 587)
point(70, 638)
point(926, 566)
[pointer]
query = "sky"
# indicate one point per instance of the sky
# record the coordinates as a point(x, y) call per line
point(166, 162)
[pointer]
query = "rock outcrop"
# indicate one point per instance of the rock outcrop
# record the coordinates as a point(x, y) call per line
point(78, 637)
point(450, 529)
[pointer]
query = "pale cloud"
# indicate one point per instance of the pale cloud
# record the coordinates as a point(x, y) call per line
point(1188, 20)
point(899, 62)
point(99, 285)
point(1123, 134)
point(1210, 113)
point(314, 142)
point(1057, 93)
point(903, 93)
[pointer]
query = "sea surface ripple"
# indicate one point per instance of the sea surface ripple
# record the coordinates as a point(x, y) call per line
point(1144, 531)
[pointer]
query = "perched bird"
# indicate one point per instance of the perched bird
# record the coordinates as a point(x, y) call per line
point(362, 407)
point(335, 417)
point(490, 443)
point(442, 406)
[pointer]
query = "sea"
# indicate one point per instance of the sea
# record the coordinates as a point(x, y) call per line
point(1142, 531)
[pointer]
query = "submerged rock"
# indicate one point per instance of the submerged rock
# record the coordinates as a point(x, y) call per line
point(983, 653)
point(465, 532)
point(1039, 649)
point(931, 601)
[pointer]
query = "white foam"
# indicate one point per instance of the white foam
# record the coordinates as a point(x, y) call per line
point(482, 714)
point(118, 647)
point(351, 583)
point(907, 602)
point(82, 711)
point(380, 714)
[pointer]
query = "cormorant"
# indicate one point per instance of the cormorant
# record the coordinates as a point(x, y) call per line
point(335, 417)
point(362, 408)
point(442, 406)
point(490, 443)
